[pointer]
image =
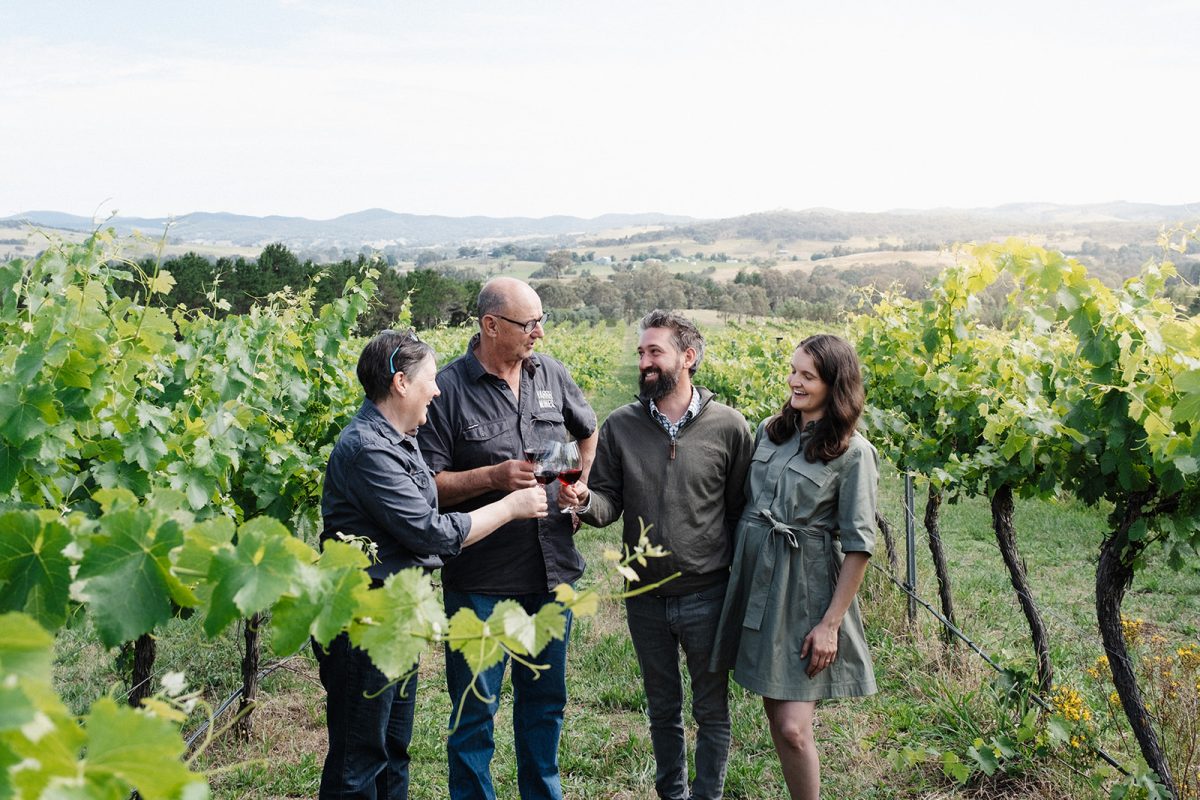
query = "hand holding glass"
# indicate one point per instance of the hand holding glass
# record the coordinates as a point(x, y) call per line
point(569, 467)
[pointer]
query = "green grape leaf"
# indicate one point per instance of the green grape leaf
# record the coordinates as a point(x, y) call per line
point(35, 575)
point(115, 499)
point(396, 622)
point(24, 647)
point(15, 708)
point(76, 371)
point(954, 769)
point(29, 362)
point(1188, 382)
point(1188, 409)
point(8, 760)
point(582, 604)
point(550, 623)
point(144, 447)
point(516, 627)
point(156, 331)
point(49, 745)
point(140, 750)
point(199, 485)
point(327, 602)
point(200, 543)
point(472, 637)
point(126, 575)
point(98, 788)
point(24, 411)
point(162, 283)
point(10, 466)
point(253, 575)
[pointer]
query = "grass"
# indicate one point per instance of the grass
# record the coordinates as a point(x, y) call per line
point(930, 696)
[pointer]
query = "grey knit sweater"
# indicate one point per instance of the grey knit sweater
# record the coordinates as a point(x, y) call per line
point(691, 491)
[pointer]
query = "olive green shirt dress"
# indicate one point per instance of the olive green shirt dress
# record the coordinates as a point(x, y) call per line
point(800, 518)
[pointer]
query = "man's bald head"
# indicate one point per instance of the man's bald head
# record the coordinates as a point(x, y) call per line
point(503, 293)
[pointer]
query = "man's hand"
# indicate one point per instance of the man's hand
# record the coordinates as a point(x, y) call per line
point(508, 476)
point(574, 495)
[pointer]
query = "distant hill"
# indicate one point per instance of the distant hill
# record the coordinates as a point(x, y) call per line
point(379, 227)
point(376, 226)
point(935, 225)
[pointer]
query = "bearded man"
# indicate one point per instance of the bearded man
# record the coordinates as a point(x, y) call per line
point(677, 461)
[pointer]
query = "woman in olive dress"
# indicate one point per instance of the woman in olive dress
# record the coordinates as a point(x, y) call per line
point(791, 629)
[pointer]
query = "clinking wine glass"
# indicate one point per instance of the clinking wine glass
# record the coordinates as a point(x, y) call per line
point(569, 467)
point(543, 454)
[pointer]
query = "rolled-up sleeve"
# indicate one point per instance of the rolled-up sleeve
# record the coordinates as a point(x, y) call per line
point(394, 497)
point(857, 499)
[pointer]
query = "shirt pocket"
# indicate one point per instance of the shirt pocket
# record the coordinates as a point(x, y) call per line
point(816, 473)
point(546, 416)
point(486, 443)
point(760, 461)
point(809, 485)
point(545, 425)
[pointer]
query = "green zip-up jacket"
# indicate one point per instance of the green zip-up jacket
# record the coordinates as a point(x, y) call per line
point(691, 490)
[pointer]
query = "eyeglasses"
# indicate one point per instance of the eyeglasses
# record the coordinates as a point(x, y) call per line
point(408, 334)
point(526, 326)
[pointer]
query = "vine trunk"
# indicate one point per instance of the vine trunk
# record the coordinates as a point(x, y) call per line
point(1114, 575)
point(1002, 523)
point(885, 528)
point(144, 651)
point(250, 661)
point(932, 516)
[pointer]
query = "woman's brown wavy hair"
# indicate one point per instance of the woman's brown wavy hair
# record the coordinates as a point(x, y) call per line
point(838, 366)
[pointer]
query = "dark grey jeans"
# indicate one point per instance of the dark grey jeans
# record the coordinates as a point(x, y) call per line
point(659, 627)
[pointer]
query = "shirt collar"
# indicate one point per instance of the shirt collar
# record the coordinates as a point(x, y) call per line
point(692, 410)
point(476, 370)
point(375, 418)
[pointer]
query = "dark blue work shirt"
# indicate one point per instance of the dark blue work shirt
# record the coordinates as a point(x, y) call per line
point(476, 422)
point(377, 485)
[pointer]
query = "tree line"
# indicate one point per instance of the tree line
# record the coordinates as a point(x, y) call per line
point(440, 294)
point(233, 285)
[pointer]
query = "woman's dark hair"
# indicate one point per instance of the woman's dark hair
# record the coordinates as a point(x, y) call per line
point(838, 366)
point(385, 355)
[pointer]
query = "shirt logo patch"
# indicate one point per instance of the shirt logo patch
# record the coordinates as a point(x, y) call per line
point(545, 398)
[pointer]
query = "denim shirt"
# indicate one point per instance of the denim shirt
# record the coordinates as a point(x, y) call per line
point(377, 485)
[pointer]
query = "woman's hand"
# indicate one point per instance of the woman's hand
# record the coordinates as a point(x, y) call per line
point(821, 645)
point(528, 503)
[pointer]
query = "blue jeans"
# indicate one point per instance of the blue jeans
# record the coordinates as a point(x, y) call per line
point(369, 729)
point(538, 702)
point(659, 627)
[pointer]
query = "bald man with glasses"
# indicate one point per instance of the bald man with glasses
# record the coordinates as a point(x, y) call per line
point(498, 400)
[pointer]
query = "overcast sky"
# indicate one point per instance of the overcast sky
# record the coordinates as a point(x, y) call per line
point(558, 107)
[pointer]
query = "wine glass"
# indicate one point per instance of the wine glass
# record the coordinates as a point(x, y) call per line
point(544, 457)
point(536, 448)
point(568, 467)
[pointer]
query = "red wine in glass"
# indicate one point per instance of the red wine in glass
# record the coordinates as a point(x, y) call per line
point(545, 474)
point(569, 467)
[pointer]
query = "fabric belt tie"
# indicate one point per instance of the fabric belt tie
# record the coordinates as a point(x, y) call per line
point(764, 571)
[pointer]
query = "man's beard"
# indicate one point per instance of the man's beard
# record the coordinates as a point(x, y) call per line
point(659, 388)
